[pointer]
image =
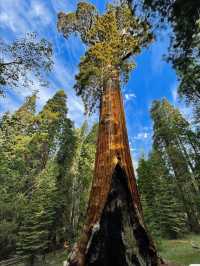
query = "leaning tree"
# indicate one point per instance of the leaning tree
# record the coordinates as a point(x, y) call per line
point(114, 231)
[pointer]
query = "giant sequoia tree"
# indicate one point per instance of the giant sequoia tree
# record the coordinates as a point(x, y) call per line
point(114, 231)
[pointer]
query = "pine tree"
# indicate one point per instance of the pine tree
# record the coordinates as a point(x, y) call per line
point(64, 159)
point(38, 233)
point(171, 215)
point(15, 134)
point(164, 213)
point(82, 169)
point(147, 189)
point(171, 133)
point(34, 236)
point(35, 150)
point(49, 124)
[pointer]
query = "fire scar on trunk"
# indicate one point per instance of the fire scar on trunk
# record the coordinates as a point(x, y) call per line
point(119, 239)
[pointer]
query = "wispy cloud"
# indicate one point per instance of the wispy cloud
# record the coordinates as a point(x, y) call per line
point(186, 110)
point(129, 96)
point(63, 5)
point(174, 92)
point(21, 16)
point(7, 104)
point(12, 16)
point(39, 11)
point(158, 49)
point(134, 156)
point(142, 136)
point(135, 165)
point(24, 16)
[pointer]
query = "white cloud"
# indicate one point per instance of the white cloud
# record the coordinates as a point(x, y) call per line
point(134, 160)
point(135, 165)
point(141, 136)
point(5, 20)
point(63, 5)
point(63, 78)
point(20, 16)
point(76, 109)
point(174, 92)
point(39, 11)
point(174, 95)
point(43, 96)
point(185, 110)
point(12, 102)
point(63, 73)
point(158, 49)
point(132, 149)
point(129, 96)
point(12, 16)
point(7, 104)
point(16, 96)
point(76, 104)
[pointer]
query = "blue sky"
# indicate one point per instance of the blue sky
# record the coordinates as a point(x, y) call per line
point(152, 79)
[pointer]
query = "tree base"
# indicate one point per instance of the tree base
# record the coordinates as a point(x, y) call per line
point(120, 239)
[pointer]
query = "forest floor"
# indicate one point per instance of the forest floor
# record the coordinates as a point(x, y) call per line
point(179, 251)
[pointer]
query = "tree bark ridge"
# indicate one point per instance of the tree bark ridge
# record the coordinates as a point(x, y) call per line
point(113, 153)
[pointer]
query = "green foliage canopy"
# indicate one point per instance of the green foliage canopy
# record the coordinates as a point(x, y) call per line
point(183, 16)
point(112, 39)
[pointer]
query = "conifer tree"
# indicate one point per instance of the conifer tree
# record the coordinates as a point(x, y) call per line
point(49, 125)
point(171, 133)
point(82, 167)
point(64, 159)
point(184, 52)
point(35, 148)
point(164, 213)
point(34, 236)
point(15, 134)
point(147, 189)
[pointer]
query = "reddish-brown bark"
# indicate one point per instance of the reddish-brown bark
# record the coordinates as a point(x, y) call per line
point(112, 150)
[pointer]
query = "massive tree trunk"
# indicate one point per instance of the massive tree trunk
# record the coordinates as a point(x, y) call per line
point(114, 233)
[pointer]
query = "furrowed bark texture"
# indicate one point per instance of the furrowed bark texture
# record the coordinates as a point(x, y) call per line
point(114, 233)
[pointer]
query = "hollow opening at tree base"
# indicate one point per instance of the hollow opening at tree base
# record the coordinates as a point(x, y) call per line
point(121, 240)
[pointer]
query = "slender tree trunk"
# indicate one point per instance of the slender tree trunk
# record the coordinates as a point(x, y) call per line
point(192, 173)
point(74, 218)
point(185, 191)
point(30, 260)
point(114, 232)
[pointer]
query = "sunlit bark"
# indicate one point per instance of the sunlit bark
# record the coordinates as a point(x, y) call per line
point(114, 232)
